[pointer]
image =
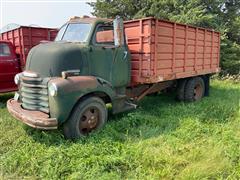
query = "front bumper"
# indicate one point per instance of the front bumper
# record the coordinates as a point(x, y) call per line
point(35, 119)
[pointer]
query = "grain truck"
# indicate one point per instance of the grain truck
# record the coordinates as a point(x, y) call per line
point(14, 47)
point(95, 61)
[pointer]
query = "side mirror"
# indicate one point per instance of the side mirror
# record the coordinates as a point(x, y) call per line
point(118, 32)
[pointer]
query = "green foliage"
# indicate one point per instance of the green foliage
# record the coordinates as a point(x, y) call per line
point(162, 139)
point(190, 12)
point(230, 57)
point(221, 15)
point(124, 8)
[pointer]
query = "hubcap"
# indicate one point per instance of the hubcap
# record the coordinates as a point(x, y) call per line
point(198, 91)
point(89, 120)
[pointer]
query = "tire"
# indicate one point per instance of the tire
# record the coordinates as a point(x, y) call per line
point(89, 115)
point(181, 89)
point(194, 89)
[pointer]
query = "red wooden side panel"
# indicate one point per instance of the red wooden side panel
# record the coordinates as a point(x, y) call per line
point(139, 38)
point(184, 51)
point(24, 38)
point(53, 34)
point(163, 50)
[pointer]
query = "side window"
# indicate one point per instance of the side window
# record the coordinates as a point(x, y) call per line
point(104, 35)
point(4, 50)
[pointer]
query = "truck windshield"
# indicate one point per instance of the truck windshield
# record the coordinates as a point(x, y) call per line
point(74, 32)
point(4, 50)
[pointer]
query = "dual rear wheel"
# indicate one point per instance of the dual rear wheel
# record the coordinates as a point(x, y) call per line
point(190, 90)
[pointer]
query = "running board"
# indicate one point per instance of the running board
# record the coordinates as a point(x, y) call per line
point(122, 105)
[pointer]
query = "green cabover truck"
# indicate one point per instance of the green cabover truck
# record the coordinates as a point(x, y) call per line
point(95, 61)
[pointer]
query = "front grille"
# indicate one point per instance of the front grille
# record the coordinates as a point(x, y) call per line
point(34, 93)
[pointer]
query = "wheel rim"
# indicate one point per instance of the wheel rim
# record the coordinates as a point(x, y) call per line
point(198, 91)
point(89, 120)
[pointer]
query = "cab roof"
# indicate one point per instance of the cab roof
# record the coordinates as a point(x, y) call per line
point(86, 19)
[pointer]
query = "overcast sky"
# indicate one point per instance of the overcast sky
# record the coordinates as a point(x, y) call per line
point(44, 13)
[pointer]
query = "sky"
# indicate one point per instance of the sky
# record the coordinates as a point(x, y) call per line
point(43, 13)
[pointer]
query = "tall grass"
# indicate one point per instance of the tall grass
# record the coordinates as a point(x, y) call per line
point(161, 139)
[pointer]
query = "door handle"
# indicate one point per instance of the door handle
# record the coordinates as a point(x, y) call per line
point(125, 55)
point(109, 47)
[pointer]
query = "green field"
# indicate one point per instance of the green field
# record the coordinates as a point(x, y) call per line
point(161, 139)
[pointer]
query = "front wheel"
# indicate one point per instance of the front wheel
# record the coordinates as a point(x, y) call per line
point(89, 115)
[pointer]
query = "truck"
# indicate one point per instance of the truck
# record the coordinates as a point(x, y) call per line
point(14, 47)
point(9, 66)
point(95, 61)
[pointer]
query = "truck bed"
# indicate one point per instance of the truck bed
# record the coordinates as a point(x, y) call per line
point(163, 50)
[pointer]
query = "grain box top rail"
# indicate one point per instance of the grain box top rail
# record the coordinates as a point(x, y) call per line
point(164, 20)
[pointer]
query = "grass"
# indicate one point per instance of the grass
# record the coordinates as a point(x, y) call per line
point(162, 139)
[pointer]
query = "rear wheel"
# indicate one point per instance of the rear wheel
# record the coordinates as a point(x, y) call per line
point(88, 116)
point(181, 89)
point(194, 89)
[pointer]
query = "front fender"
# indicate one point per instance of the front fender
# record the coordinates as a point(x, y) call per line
point(70, 90)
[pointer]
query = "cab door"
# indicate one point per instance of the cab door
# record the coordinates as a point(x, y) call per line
point(107, 60)
point(9, 67)
point(121, 67)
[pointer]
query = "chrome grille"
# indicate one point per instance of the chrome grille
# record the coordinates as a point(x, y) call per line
point(34, 93)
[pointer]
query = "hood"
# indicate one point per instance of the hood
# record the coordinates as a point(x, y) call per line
point(50, 59)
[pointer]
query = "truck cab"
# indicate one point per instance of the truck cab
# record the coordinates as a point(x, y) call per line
point(9, 66)
point(71, 80)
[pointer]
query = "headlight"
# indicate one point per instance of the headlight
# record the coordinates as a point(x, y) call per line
point(52, 89)
point(17, 78)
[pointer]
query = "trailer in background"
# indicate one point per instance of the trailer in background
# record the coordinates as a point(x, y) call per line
point(14, 47)
point(24, 38)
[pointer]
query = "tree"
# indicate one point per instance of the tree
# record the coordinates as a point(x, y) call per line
point(127, 9)
point(190, 11)
point(227, 21)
